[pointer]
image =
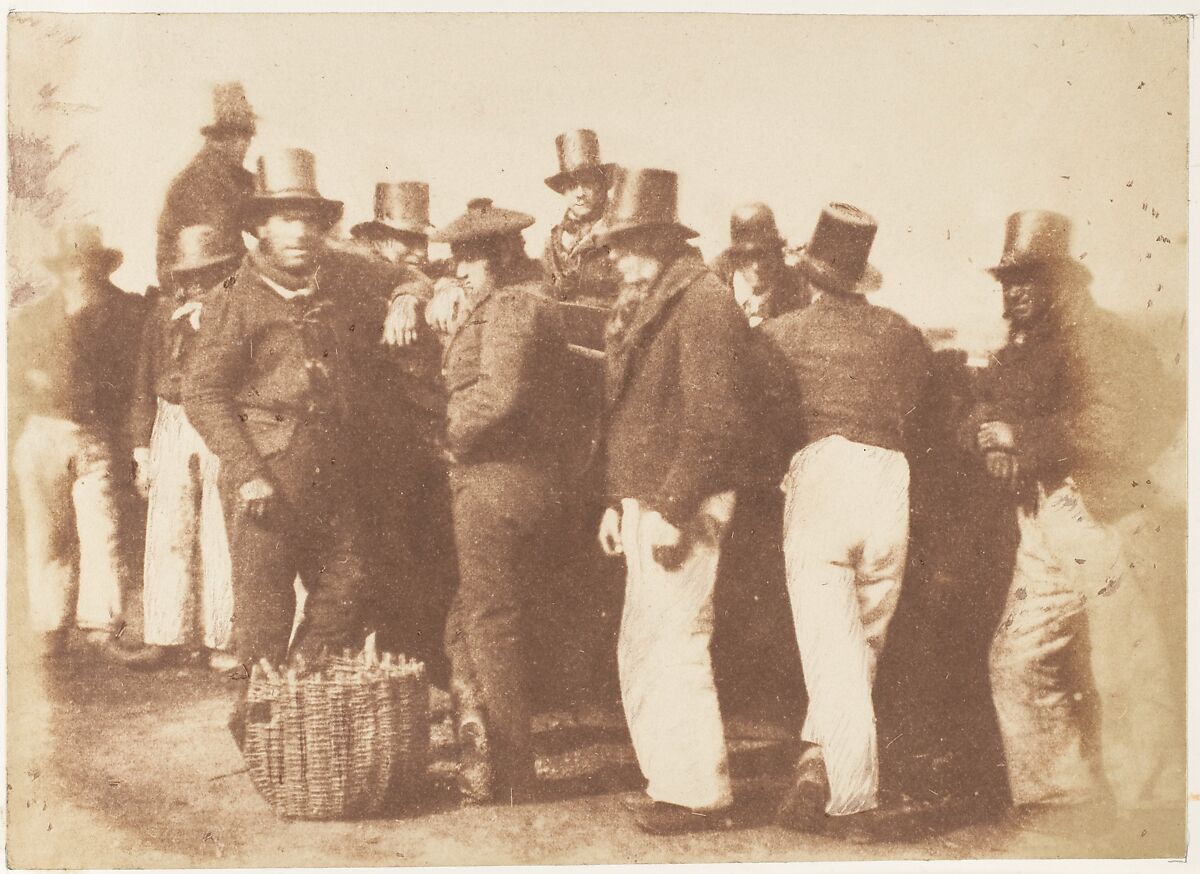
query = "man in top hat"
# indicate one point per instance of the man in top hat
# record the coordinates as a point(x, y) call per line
point(267, 388)
point(504, 407)
point(1072, 412)
point(70, 390)
point(851, 378)
point(212, 189)
point(187, 594)
point(576, 264)
point(763, 284)
point(673, 419)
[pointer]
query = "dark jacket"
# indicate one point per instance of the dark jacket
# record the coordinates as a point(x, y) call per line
point(263, 365)
point(502, 370)
point(583, 271)
point(1087, 399)
point(85, 360)
point(166, 343)
point(848, 367)
point(674, 391)
point(792, 293)
point(208, 191)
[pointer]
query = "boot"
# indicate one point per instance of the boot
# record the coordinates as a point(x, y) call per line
point(476, 780)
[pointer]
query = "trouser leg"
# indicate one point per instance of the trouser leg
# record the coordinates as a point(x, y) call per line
point(102, 574)
point(170, 564)
point(331, 570)
point(493, 526)
point(845, 544)
point(42, 468)
point(665, 669)
point(1041, 703)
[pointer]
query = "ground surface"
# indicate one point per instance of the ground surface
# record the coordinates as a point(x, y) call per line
point(115, 769)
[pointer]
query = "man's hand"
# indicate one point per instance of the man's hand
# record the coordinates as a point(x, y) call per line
point(403, 319)
point(448, 305)
point(610, 533)
point(668, 544)
point(1002, 466)
point(141, 471)
point(995, 435)
point(256, 497)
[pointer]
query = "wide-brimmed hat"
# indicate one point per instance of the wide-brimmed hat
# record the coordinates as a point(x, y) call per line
point(578, 151)
point(752, 228)
point(481, 221)
point(644, 199)
point(287, 179)
point(400, 208)
point(836, 255)
point(200, 246)
point(84, 244)
point(231, 111)
point(1037, 240)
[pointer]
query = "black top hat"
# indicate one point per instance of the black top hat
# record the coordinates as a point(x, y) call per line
point(288, 179)
point(84, 244)
point(231, 111)
point(644, 199)
point(1036, 240)
point(481, 221)
point(199, 247)
point(752, 229)
point(836, 256)
point(400, 208)
point(578, 150)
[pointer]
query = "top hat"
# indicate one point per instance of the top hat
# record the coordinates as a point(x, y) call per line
point(231, 111)
point(836, 256)
point(481, 221)
point(199, 246)
point(1036, 240)
point(752, 229)
point(400, 208)
point(644, 199)
point(84, 244)
point(288, 179)
point(578, 150)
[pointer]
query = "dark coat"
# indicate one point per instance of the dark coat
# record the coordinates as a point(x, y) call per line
point(85, 358)
point(208, 191)
point(583, 271)
point(1087, 399)
point(502, 370)
point(263, 366)
point(674, 417)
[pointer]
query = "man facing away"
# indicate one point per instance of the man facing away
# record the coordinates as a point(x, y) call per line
point(214, 187)
point(855, 377)
point(672, 418)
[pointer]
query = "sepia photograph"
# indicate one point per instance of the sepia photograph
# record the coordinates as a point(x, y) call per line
point(495, 438)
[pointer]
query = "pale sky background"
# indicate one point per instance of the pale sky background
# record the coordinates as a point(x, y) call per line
point(938, 127)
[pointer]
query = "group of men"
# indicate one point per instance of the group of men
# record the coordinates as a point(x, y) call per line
point(333, 411)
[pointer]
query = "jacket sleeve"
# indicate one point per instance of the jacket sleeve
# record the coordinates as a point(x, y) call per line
point(142, 402)
point(508, 355)
point(212, 374)
point(713, 337)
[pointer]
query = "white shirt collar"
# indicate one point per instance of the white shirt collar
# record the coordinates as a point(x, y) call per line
point(287, 293)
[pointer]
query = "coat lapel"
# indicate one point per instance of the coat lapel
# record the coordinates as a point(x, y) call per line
point(458, 329)
point(620, 358)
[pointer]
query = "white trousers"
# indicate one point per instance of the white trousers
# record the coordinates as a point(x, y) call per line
point(1079, 668)
point(845, 540)
point(73, 562)
point(665, 666)
point(187, 590)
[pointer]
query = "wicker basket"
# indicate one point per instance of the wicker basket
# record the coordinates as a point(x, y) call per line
point(337, 740)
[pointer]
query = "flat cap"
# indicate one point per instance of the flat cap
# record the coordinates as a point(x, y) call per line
point(480, 221)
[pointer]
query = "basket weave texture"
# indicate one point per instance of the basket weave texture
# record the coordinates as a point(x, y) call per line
point(336, 740)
